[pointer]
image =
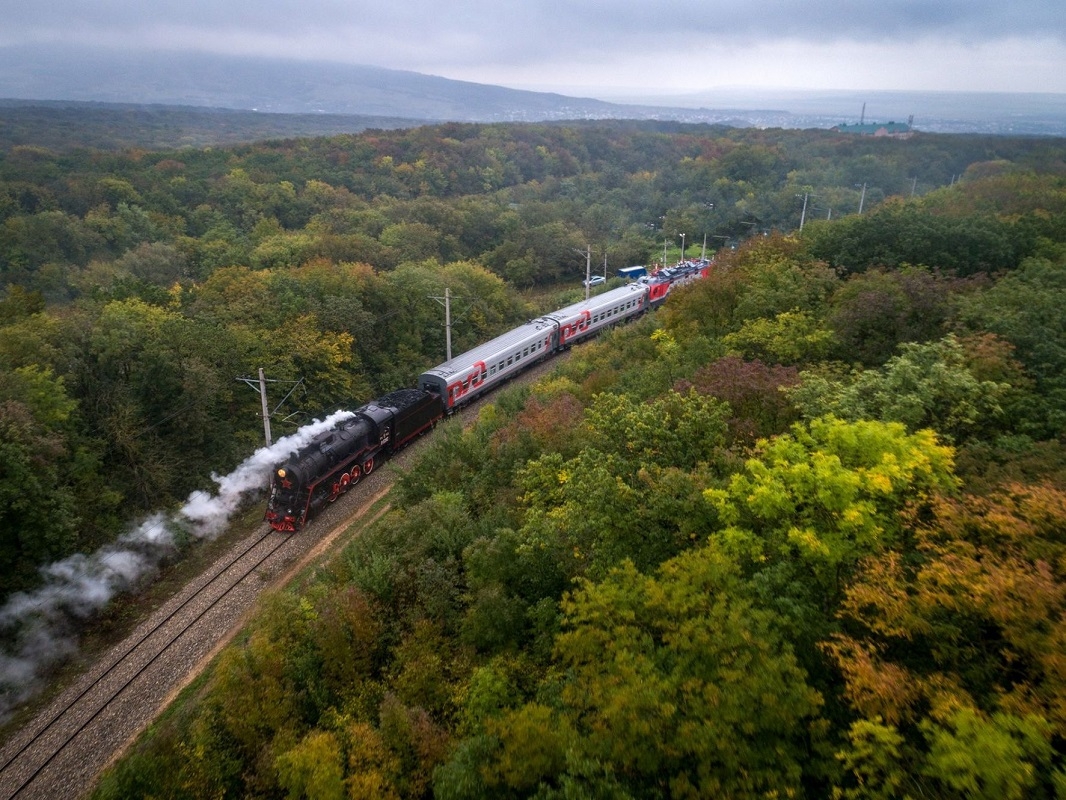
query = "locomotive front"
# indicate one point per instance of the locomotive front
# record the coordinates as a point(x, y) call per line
point(318, 473)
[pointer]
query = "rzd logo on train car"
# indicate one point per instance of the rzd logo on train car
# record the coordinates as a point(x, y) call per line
point(572, 329)
point(471, 381)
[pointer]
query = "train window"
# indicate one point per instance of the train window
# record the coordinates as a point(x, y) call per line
point(492, 370)
point(510, 361)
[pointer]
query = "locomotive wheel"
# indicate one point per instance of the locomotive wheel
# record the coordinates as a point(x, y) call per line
point(368, 466)
point(357, 473)
point(345, 482)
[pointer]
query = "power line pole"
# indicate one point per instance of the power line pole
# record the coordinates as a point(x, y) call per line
point(260, 386)
point(588, 270)
point(446, 301)
point(266, 410)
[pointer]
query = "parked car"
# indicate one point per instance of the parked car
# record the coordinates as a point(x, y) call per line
point(595, 280)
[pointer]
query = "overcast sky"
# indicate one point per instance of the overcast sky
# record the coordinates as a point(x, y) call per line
point(602, 47)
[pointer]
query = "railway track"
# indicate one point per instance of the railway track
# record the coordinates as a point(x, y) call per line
point(47, 755)
point(62, 750)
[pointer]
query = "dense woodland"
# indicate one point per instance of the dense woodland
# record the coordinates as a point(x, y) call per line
point(63, 127)
point(799, 533)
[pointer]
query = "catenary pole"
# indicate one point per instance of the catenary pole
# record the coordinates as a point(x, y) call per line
point(266, 408)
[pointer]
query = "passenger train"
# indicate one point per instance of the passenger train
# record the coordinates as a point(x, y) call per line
point(337, 459)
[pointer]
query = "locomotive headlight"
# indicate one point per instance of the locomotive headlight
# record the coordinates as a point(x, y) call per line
point(281, 473)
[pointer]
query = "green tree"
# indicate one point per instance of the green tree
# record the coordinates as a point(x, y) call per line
point(791, 337)
point(999, 758)
point(1024, 308)
point(925, 386)
point(634, 492)
point(676, 686)
point(905, 233)
point(38, 516)
point(874, 312)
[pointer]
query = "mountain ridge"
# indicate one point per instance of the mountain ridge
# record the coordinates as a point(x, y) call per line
point(278, 86)
point(49, 73)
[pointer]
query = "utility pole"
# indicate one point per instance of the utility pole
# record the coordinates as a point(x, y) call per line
point(803, 213)
point(260, 386)
point(862, 198)
point(266, 410)
point(588, 270)
point(448, 321)
point(446, 301)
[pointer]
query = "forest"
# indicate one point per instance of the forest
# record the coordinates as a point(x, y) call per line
point(798, 533)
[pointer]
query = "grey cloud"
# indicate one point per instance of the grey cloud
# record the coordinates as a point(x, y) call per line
point(548, 23)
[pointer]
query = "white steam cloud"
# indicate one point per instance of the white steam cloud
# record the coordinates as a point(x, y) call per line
point(38, 628)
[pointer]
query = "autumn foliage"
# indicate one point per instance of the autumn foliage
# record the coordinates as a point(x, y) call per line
point(799, 533)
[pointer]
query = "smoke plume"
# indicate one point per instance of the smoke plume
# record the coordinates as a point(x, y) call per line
point(38, 628)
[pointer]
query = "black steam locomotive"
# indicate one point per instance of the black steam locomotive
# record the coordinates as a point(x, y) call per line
point(337, 459)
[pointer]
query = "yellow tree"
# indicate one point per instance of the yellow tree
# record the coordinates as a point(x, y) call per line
point(956, 650)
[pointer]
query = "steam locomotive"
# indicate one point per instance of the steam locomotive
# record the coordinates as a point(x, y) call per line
point(337, 459)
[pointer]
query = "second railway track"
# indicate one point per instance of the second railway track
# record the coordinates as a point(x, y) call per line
point(54, 753)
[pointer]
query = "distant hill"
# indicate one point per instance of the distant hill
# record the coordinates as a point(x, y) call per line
point(276, 86)
point(365, 96)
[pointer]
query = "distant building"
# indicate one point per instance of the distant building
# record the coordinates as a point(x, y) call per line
point(898, 130)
